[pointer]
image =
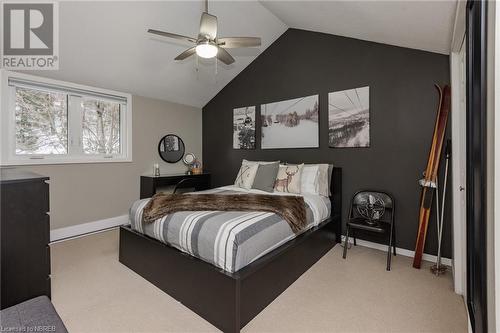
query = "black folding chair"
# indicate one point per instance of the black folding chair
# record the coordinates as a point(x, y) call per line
point(372, 211)
point(186, 183)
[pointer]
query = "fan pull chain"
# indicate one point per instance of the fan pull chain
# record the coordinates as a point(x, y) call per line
point(197, 68)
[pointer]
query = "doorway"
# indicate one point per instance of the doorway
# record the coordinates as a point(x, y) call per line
point(476, 165)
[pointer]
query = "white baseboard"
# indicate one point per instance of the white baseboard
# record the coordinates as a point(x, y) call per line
point(86, 228)
point(404, 252)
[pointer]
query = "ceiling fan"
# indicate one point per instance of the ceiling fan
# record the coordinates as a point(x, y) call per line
point(207, 44)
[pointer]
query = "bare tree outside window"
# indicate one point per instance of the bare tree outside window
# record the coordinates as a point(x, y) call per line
point(41, 122)
point(101, 127)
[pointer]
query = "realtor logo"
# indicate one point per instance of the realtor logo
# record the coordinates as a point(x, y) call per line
point(30, 36)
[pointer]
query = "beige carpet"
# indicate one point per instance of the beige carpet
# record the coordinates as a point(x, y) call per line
point(93, 292)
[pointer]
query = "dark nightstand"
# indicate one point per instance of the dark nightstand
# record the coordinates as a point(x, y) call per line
point(149, 184)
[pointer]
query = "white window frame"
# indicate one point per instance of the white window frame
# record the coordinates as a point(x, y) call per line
point(8, 156)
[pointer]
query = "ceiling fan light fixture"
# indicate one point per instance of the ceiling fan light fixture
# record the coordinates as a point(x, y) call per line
point(206, 50)
point(208, 44)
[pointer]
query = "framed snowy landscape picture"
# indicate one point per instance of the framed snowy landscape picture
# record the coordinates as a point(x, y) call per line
point(290, 124)
point(349, 118)
point(244, 128)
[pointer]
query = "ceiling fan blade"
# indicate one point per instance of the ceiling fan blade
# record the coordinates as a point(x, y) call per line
point(170, 35)
point(236, 42)
point(224, 56)
point(189, 52)
point(208, 26)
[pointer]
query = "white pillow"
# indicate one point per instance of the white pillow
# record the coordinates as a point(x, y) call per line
point(246, 175)
point(309, 180)
point(322, 179)
point(288, 178)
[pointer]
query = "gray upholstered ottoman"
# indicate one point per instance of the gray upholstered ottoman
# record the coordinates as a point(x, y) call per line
point(34, 315)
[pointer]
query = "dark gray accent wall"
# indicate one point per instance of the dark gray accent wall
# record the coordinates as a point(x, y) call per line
point(403, 104)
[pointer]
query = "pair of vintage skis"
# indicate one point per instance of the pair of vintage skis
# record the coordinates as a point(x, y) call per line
point(431, 172)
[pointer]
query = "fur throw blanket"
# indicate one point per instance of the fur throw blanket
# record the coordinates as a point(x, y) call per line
point(290, 208)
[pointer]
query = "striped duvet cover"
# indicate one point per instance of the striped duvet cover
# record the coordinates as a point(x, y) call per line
point(228, 240)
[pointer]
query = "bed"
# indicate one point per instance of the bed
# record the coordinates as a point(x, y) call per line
point(230, 287)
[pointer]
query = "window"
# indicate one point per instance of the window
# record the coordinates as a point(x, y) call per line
point(101, 127)
point(48, 122)
point(41, 122)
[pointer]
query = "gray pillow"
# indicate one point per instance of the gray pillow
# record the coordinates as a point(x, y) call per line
point(265, 177)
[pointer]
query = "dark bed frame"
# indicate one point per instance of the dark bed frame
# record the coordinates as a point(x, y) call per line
point(230, 300)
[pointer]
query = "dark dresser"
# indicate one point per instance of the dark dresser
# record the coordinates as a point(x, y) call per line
point(25, 236)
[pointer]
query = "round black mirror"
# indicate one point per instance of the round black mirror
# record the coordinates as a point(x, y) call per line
point(171, 148)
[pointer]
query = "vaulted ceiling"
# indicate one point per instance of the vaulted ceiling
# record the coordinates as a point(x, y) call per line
point(105, 44)
point(421, 24)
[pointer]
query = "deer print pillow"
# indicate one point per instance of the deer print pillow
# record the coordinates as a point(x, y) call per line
point(246, 175)
point(288, 179)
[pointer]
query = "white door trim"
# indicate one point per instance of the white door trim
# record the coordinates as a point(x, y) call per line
point(458, 123)
point(459, 26)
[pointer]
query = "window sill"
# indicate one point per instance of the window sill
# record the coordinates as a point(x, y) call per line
point(55, 161)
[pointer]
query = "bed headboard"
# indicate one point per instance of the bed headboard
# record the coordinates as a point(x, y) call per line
point(336, 192)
